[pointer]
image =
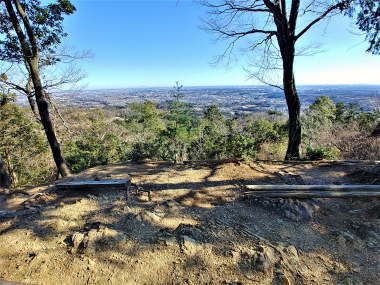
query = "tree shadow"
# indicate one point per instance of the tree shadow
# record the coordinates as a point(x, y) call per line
point(211, 204)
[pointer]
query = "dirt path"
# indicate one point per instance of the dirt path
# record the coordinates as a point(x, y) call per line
point(195, 230)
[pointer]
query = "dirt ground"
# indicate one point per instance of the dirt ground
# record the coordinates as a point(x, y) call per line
point(196, 228)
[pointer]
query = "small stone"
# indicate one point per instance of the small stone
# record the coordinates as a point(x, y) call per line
point(263, 260)
point(341, 241)
point(91, 262)
point(343, 238)
point(226, 251)
point(76, 239)
point(291, 250)
point(291, 216)
point(188, 245)
point(283, 280)
point(192, 231)
point(149, 217)
point(167, 240)
point(172, 205)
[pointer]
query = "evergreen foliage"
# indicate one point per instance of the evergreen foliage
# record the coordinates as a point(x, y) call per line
point(47, 25)
point(368, 21)
point(177, 133)
point(22, 144)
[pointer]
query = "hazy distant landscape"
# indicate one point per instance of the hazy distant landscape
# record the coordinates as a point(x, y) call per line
point(231, 99)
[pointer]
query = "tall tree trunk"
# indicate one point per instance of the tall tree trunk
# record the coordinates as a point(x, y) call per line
point(4, 176)
point(43, 109)
point(286, 41)
point(294, 110)
point(294, 106)
point(31, 57)
point(31, 100)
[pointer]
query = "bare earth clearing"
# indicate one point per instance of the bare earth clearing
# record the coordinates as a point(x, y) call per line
point(197, 229)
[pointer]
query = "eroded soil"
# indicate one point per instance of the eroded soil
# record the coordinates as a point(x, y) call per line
point(195, 229)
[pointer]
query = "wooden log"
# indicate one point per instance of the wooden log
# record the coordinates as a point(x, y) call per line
point(116, 183)
point(305, 188)
point(313, 194)
point(324, 161)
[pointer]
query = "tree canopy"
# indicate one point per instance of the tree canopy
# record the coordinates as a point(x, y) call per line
point(46, 22)
point(368, 21)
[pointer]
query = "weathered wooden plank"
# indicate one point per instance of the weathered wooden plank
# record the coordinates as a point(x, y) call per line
point(4, 282)
point(13, 214)
point(116, 183)
point(315, 194)
point(286, 187)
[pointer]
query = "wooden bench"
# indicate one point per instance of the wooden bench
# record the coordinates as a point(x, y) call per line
point(116, 183)
point(124, 184)
point(313, 191)
point(96, 185)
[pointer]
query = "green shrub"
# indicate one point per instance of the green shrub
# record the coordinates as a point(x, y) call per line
point(319, 153)
point(239, 146)
point(274, 113)
point(91, 150)
point(23, 146)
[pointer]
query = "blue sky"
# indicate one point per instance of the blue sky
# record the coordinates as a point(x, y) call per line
point(155, 43)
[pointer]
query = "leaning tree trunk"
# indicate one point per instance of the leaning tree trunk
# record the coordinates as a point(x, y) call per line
point(294, 110)
point(43, 109)
point(4, 176)
point(31, 56)
point(30, 96)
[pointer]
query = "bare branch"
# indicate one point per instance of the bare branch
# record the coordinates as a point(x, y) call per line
point(262, 80)
point(56, 110)
point(14, 86)
point(339, 5)
point(227, 6)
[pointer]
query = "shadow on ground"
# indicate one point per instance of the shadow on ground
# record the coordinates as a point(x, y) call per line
point(196, 229)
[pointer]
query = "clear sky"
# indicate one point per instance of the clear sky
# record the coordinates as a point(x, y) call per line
point(155, 43)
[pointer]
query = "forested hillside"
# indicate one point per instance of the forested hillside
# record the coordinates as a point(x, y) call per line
point(173, 131)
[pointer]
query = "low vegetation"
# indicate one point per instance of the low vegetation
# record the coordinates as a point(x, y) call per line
point(174, 131)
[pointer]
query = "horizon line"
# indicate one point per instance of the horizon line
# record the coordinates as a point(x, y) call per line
point(214, 86)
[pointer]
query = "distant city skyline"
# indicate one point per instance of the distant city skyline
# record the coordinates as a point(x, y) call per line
point(156, 43)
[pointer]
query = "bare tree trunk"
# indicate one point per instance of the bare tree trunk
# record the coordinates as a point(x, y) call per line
point(43, 109)
point(286, 42)
point(32, 104)
point(294, 110)
point(4, 176)
point(31, 56)
point(31, 100)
